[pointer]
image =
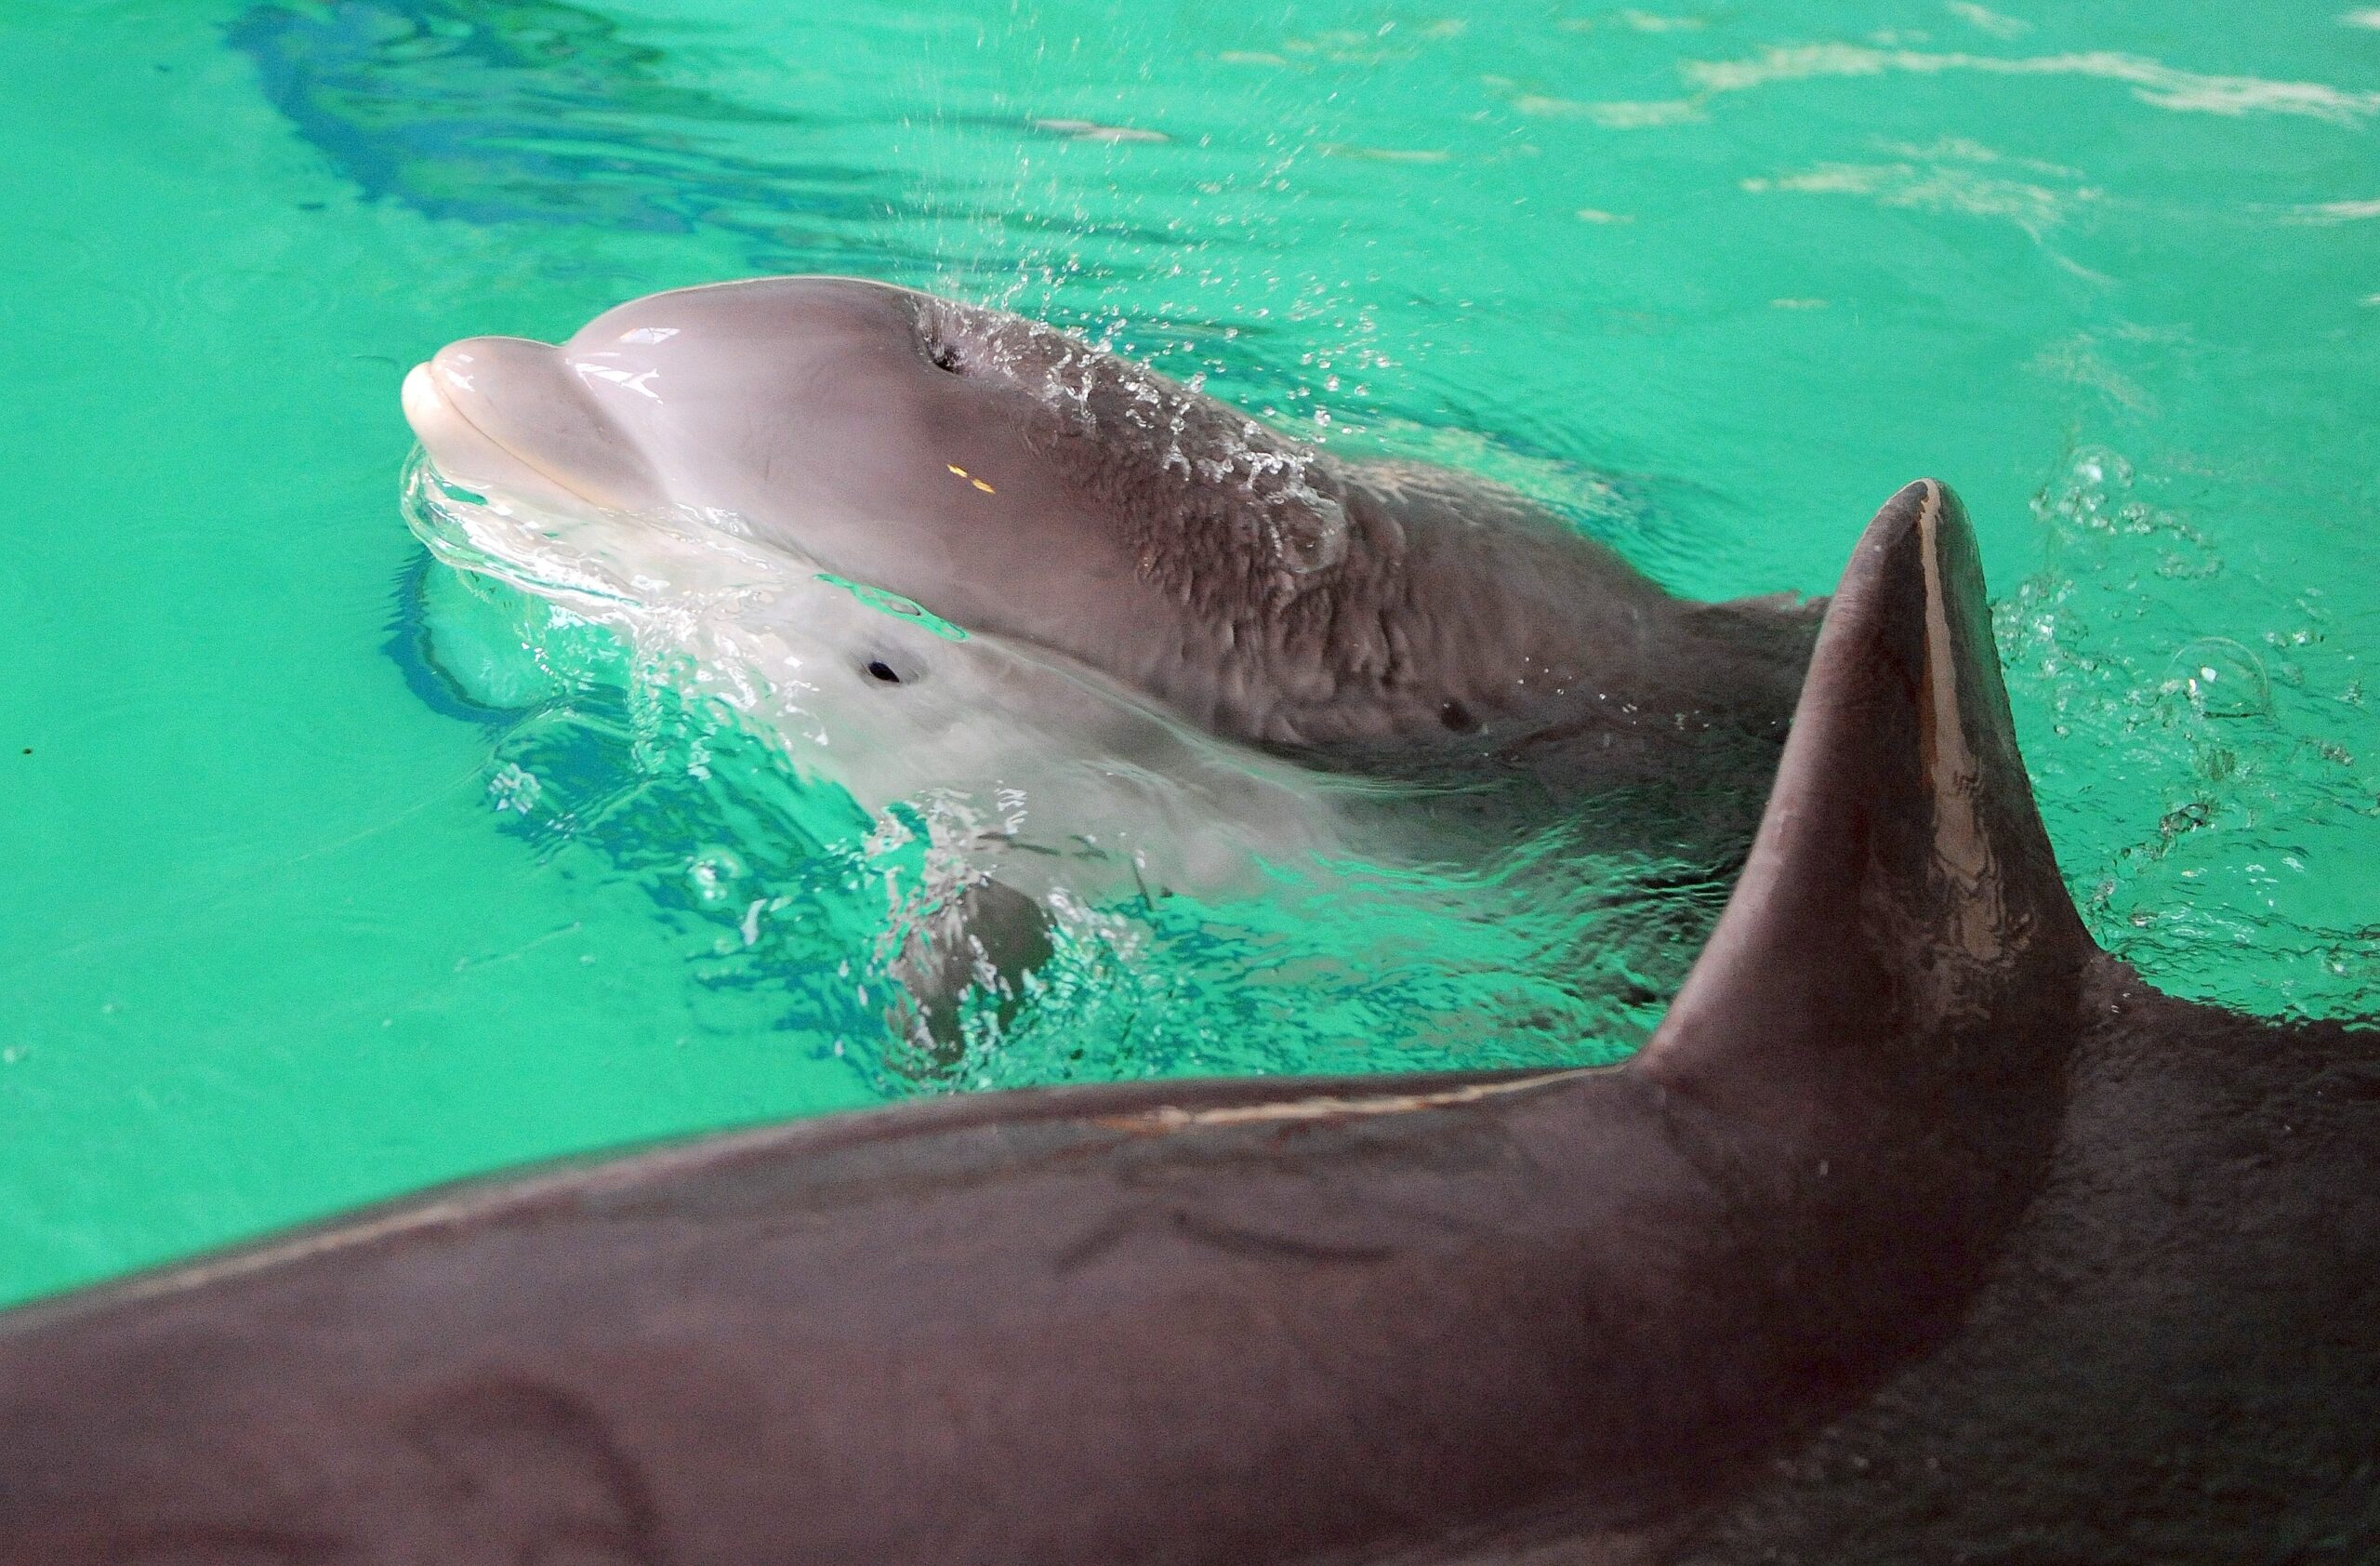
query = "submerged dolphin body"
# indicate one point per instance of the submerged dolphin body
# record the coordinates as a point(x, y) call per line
point(1921, 1230)
point(962, 549)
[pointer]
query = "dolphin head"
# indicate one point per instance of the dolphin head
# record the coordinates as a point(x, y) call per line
point(1006, 476)
point(905, 535)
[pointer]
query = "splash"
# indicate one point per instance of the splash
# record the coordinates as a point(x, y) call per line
point(2241, 750)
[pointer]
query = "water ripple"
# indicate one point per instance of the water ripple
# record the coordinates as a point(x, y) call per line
point(2164, 86)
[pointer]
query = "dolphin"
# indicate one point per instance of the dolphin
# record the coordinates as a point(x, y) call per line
point(1922, 1229)
point(1117, 634)
point(1019, 482)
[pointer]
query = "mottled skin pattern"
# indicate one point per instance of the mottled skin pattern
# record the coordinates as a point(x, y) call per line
point(1321, 605)
point(1918, 1233)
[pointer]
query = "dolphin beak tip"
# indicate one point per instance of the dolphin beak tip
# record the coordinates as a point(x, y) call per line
point(420, 398)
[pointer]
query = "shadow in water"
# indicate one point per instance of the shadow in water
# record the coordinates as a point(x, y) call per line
point(410, 645)
point(493, 112)
point(514, 110)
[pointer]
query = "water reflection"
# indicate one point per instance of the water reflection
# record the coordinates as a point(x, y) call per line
point(496, 111)
point(518, 111)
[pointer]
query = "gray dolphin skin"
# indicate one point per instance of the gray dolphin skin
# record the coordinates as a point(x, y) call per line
point(1921, 1230)
point(1013, 480)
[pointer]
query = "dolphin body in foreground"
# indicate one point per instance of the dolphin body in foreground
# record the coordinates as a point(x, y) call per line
point(1921, 1230)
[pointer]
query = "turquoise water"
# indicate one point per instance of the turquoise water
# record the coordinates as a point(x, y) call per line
point(331, 873)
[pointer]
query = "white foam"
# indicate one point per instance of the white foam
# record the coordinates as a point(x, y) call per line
point(1939, 187)
point(1985, 20)
point(2338, 212)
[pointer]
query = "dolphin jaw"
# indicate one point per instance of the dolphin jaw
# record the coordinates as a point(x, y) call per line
point(518, 417)
point(467, 456)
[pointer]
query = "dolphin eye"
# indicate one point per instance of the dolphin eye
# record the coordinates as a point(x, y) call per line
point(894, 671)
point(880, 669)
point(946, 358)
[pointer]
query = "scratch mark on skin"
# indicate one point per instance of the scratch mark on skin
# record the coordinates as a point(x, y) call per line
point(473, 1203)
point(1326, 1106)
point(538, 1471)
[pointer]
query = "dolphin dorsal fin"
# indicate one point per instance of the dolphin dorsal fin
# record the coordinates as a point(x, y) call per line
point(1901, 897)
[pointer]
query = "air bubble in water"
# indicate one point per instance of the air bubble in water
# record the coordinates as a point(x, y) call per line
point(713, 874)
point(2220, 678)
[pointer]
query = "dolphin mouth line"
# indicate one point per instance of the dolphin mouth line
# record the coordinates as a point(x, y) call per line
point(803, 569)
point(421, 382)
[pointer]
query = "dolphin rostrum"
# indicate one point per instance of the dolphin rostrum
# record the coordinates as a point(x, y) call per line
point(1921, 1230)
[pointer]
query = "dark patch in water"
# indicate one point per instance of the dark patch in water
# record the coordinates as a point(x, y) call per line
point(514, 110)
point(411, 646)
point(519, 111)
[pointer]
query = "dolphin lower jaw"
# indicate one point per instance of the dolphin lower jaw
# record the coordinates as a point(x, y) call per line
point(461, 454)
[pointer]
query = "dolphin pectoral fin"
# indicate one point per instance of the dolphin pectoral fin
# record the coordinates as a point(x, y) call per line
point(986, 938)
